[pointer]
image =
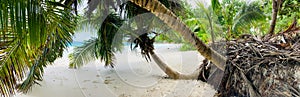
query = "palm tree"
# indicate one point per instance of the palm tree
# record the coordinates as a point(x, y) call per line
point(175, 23)
point(78, 57)
point(202, 24)
point(238, 16)
point(276, 5)
point(33, 34)
point(101, 47)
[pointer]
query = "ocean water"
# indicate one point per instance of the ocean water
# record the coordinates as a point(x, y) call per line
point(75, 43)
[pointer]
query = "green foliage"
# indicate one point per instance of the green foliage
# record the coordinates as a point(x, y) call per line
point(200, 21)
point(231, 16)
point(103, 47)
point(33, 34)
point(248, 17)
point(163, 38)
point(238, 17)
point(83, 54)
point(108, 40)
point(203, 21)
point(290, 9)
point(283, 23)
point(199, 27)
point(216, 6)
point(187, 47)
point(61, 28)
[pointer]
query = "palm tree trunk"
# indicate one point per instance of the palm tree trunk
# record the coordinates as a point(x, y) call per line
point(276, 4)
point(172, 73)
point(228, 33)
point(175, 23)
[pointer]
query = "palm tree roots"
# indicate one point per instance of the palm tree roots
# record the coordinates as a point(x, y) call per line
point(258, 67)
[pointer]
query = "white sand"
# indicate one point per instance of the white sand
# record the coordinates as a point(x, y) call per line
point(131, 77)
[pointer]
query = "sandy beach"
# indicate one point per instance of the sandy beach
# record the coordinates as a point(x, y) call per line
point(132, 76)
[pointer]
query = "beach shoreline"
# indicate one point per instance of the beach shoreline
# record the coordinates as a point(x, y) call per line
point(132, 76)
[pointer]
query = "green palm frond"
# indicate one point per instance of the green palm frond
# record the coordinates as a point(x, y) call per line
point(246, 19)
point(247, 16)
point(83, 54)
point(108, 40)
point(216, 6)
point(209, 17)
point(62, 24)
point(205, 24)
point(33, 34)
point(103, 47)
point(9, 67)
point(107, 43)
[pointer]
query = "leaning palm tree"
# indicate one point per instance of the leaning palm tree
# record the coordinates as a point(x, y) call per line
point(175, 23)
point(169, 18)
point(78, 57)
point(33, 33)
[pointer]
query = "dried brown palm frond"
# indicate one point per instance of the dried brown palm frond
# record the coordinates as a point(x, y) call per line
point(262, 68)
point(145, 44)
point(257, 67)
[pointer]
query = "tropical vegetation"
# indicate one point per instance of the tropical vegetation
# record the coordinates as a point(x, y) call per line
point(33, 33)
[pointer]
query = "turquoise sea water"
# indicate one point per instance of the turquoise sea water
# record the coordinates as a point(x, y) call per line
point(76, 43)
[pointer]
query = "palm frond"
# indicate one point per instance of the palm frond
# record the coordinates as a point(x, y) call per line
point(62, 24)
point(145, 44)
point(103, 47)
point(9, 67)
point(33, 34)
point(104, 6)
point(216, 6)
point(83, 54)
point(246, 19)
point(246, 16)
point(107, 43)
point(209, 17)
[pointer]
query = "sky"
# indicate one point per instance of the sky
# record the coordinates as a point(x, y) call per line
point(193, 3)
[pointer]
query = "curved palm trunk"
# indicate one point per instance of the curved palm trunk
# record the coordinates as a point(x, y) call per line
point(172, 73)
point(275, 7)
point(175, 23)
